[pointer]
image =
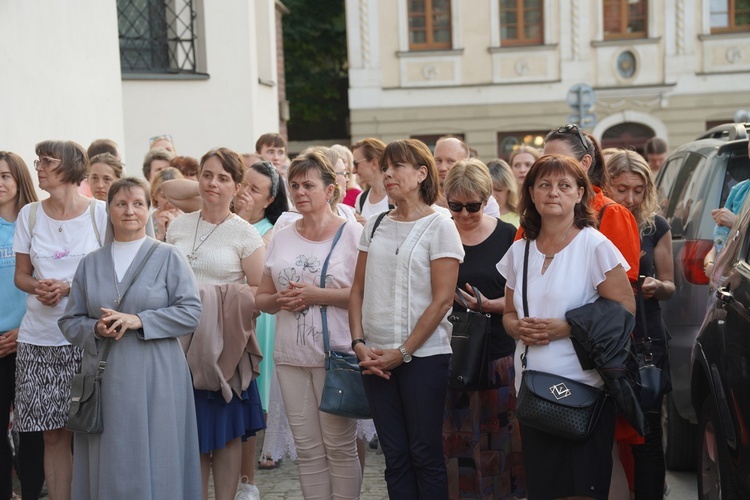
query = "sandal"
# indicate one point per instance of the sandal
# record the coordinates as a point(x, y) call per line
point(265, 463)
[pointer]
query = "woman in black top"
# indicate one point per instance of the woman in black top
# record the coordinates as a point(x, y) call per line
point(632, 185)
point(481, 438)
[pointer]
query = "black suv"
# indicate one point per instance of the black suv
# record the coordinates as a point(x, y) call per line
point(695, 179)
point(721, 373)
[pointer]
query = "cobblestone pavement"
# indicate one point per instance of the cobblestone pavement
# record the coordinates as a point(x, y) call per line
point(282, 483)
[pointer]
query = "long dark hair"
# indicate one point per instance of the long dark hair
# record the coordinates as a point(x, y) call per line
point(279, 205)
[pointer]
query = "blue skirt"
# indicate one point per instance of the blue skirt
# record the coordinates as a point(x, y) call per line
point(220, 422)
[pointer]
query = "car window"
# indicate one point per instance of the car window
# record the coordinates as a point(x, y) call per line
point(738, 170)
point(686, 199)
point(666, 180)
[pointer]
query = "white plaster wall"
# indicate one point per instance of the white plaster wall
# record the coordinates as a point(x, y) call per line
point(60, 73)
point(230, 108)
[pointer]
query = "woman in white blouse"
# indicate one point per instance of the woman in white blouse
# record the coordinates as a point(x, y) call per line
point(403, 288)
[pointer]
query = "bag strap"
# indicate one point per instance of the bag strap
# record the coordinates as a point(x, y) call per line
point(92, 211)
point(323, 307)
point(377, 223)
point(648, 356)
point(34, 207)
point(108, 342)
point(462, 301)
point(362, 199)
point(523, 294)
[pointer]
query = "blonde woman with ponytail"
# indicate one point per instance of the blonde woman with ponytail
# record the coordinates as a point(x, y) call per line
point(290, 289)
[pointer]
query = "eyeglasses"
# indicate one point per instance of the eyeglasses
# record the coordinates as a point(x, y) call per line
point(345, 174)
point(157, 138)
point(472, 208)
point(571, 127)
point(45, 162)
point(357, 162)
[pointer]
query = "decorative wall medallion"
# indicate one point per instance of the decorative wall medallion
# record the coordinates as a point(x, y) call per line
point(626, 64)
point(734, 55)
point(429, 71)
point(522, 67)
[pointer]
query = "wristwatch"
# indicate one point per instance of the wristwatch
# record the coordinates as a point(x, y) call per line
point(404, 354)
point(357, 341)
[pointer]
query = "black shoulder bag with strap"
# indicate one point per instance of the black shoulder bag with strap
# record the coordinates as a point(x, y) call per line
point(85, 413)
point(551, 403)
point(470, 343)
point(343, 392)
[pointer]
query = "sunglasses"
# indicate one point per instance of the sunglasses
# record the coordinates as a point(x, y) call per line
point(472, 208)
point(570, 127)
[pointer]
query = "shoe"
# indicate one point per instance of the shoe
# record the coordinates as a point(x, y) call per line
point(374, 443)
point(246, 491)
point(268, 463)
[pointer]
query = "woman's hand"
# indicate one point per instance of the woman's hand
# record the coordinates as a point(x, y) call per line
point(163, 219)
point(542, 331)
point(298, 296)
point(114, 324)
point(8, 342)
point(488, 305)
point(650, 287)
point(50, 291)
point(724, 217)
point(380, 362)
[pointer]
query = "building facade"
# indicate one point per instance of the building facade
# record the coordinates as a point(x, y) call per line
point(504, 72)
point(204, 72)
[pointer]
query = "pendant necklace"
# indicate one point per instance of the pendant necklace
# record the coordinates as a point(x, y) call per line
point(114, 273)
point(192, 257)
point(398, 237)
point(549, 256)
point(317, 236)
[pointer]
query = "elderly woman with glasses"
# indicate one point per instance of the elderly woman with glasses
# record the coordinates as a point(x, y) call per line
point(50, 240)
point(486, 415)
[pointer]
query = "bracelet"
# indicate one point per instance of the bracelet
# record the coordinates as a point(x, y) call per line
point(357, 341)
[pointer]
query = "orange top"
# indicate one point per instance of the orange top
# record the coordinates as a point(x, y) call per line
point(619, 226)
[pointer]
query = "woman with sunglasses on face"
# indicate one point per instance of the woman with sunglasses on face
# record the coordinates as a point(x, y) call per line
point(50, 240)
point(225, 253)
point(487, 415)
point(16, 190)
point(632, 185)
point(403, 290)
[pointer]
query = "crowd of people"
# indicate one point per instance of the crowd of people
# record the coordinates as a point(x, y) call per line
point(221, 334)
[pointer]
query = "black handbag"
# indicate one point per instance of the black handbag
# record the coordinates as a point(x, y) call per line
point(554, 404)
point(85, 412)
point(343, 392)
point(470, 343)
point(652, 385)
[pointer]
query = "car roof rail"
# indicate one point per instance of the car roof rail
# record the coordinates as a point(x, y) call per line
point(727, 132)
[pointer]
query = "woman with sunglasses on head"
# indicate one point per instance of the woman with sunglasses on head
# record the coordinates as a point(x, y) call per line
point(403, 290)
point(16, 190)
point(51, 238)
point(632, 185)
point(615, 221)
point(488, 414)
point(226, 255)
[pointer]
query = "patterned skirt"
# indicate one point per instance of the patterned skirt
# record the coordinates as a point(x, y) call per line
point(43, 375)
point(482, 440)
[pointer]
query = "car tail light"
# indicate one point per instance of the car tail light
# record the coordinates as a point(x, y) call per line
point(693, 255)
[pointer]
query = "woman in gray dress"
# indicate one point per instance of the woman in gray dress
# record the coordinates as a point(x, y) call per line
point(149, 447)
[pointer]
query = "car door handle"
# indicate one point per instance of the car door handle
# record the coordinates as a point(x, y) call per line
point(724, 295)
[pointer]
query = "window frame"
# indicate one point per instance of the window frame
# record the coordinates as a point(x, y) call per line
point(520, 26)
point(428, 14)
point(731, 27)
point(624, 20)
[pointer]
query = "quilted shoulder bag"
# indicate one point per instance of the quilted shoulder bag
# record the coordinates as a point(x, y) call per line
point(343, 392)
point(85, 413)
point(470, 343)
point(652, 385)
point(551, 403)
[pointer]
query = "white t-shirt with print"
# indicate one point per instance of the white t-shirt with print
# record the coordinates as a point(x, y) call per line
point(569, 282)
point(398, 288)
point(290, 257)
point(54, 253)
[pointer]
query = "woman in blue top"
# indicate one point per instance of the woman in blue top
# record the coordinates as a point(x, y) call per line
point(16, 190)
